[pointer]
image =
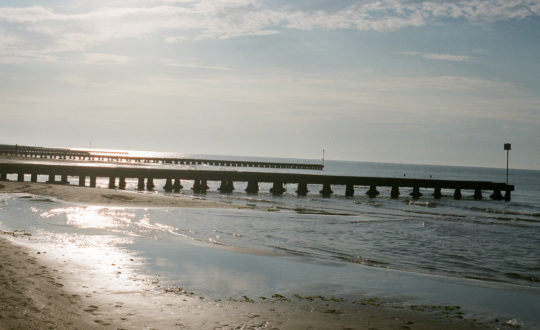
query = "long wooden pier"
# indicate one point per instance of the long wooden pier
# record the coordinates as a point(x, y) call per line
point(117, 175)
point(125, 157)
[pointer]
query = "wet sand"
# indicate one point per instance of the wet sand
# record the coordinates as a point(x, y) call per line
point(40, 291)
point(100, 196)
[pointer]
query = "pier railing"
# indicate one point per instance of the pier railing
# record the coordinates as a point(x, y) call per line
point(125, 157)
point(118, 174)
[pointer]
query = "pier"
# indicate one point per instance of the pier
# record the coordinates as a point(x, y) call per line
point(125, 157)
point(145, 176)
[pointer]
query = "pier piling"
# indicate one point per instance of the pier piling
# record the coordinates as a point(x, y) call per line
point(437, 193)
point(122, 183)
point(457, 194)
point(372, 192)
point(52, 178)
point(20, 177)
point(82, 180)
point(150, 184)
point(326, 190)
point(93, 181)
point(394, 193)
point(112, 182)
point(140, 184)
point(177, 186)
point(478, 194)
point(302, 189)
point(416, 192)
point(277, 188)
point(33, 177)
point(349, 190)
point(168, 187)
point(496, 196)
point(252, 187)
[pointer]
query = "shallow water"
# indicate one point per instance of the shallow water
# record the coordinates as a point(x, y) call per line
point(480, 254)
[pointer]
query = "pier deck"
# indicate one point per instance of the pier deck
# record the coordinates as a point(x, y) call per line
point(117, 175)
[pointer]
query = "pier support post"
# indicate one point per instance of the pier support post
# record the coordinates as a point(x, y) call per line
point(457, 194)
point(93, 181)
point(64, 179)
point(82, 180)
point(437, 193)
point(200, 186)
point(226, 187)
point(478, 194)
point(277, 188)
point(394, 193)
point(496, 196)
point(33, 177)
point(252, 187)
point(507, 195)
point(302, 189)
point(372, 192)
point(3, 176)
point(112, 182)
point(416, 192)
point(326, 190)
point(177, 186)
point(168, 187)
point(140, 184)
point(349, 190)
point(150, 184)
point(122, 183)
point(20, 177)
point(52, 178)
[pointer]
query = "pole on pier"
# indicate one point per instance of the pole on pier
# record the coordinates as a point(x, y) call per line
point(33, 177)
point(82, 180)
point(140, 184)
point(507, 147)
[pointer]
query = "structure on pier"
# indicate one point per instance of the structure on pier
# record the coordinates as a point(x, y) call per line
point(124, 157)
point(173, 177)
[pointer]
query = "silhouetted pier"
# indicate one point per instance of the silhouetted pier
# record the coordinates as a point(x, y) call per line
point(125, 157)
point(145, 176)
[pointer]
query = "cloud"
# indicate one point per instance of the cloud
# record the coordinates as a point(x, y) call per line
point(105, 59)
point(196, 65)
point(438, 56)
point(221, 19)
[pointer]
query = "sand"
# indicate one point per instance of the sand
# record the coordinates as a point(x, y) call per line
point(40, 291)
point(111, 197)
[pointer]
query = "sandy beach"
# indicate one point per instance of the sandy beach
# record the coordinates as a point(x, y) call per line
point(41, 291)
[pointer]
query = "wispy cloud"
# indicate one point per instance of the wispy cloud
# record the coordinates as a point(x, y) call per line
point(196, 65)
point(177, 20)
point(439, 56)
point(105, 59)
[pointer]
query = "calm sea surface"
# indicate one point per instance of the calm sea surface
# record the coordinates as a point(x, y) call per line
point(345, 242)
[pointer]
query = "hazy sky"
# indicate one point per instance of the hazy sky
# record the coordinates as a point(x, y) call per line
point(437, 82)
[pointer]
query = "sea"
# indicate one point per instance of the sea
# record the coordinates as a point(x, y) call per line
point(481, 255)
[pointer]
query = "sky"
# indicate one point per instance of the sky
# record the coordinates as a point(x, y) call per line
point(423, 82)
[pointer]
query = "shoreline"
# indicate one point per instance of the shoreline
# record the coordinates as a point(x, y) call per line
point(106, 197)
point(32, 280)
point(40, 291)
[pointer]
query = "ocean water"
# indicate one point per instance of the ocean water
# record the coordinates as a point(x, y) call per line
point(481, 254)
